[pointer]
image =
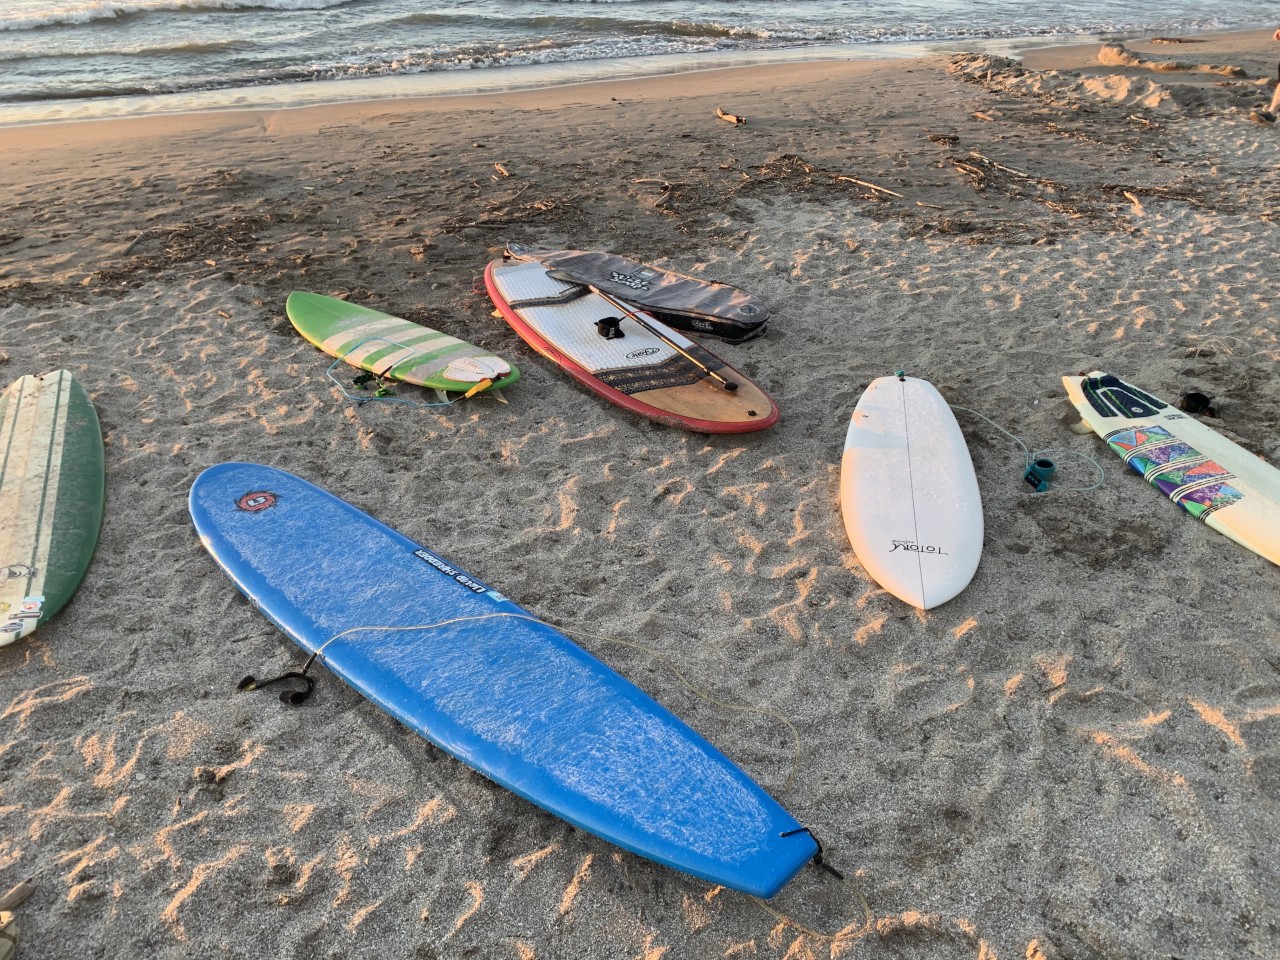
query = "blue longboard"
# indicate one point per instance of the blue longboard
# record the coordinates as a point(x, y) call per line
point(506, 694)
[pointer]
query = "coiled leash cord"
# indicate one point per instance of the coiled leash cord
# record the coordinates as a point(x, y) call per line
point(1039, 468)
point(297, 697)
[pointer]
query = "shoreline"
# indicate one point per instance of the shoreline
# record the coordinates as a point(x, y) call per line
point(1075, 757)
point(507, 80)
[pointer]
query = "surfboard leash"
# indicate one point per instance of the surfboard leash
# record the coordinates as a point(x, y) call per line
point(818, 860)
point(382, 392)
point(297, 697)
point(292, 698)
point(1040, 469)
point(844, 934)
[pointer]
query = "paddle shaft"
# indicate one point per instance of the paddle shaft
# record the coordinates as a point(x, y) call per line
point(727, 384)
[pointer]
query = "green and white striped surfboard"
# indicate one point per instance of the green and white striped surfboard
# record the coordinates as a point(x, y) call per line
point(52, 486)
point(395, 348)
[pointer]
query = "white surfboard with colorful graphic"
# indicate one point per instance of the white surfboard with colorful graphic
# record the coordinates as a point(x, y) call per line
point(1210, 477)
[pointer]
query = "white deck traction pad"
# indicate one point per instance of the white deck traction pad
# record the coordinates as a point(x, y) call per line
point(571, 327)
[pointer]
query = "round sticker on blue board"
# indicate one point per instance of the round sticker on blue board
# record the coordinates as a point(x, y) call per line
point(256, 501)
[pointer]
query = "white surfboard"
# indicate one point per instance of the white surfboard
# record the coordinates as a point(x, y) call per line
point(1213, 479)
point(909, 494)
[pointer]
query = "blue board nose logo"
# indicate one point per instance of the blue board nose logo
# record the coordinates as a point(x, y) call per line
point(256, 501)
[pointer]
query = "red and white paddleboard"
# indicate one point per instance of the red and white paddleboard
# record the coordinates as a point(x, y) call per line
point(650, 369)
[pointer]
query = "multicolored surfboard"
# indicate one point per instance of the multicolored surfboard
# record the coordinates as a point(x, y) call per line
point(1213, 479)
point(395, 348)
point(52, 485)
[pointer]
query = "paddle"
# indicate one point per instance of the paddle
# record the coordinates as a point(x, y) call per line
point(631, 314)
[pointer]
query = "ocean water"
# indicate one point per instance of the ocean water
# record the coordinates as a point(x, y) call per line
point(90, 58)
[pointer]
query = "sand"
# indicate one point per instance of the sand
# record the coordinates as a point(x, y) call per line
point(1077, 757)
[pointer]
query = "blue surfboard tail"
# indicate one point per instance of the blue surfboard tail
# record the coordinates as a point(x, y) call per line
point(487, 682)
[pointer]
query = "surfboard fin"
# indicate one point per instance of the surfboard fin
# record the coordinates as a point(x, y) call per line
point(482, 385)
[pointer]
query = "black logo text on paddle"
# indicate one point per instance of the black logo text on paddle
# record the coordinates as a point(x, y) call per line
point(910, 546)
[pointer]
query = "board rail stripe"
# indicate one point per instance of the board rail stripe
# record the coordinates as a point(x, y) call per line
point(52, 472)
point(911, 482)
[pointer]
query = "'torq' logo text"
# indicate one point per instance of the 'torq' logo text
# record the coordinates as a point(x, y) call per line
point(910, 546)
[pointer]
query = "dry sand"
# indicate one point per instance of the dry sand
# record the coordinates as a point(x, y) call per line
point(1077, 757)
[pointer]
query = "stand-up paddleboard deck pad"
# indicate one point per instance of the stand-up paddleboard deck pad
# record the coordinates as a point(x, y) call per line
point(476, 675)
point(909, 494)
point(395, 348)
point(1211, 478)
point(52, 485)
point(637, 371)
